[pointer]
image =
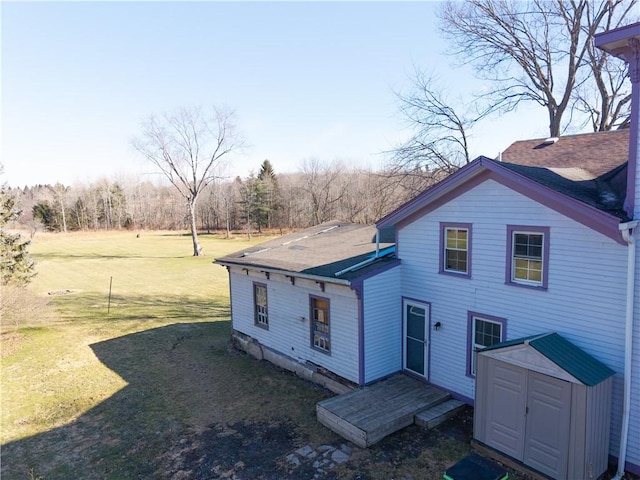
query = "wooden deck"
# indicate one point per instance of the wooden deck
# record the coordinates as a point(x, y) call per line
point(366, 416)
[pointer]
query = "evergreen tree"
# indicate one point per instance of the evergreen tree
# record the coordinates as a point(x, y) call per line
point(270, 200)
point(16, 266)
point(46, 214)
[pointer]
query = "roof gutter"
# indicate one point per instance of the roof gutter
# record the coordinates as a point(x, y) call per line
point(364, 262)
point(627, 230)
point(288, 273)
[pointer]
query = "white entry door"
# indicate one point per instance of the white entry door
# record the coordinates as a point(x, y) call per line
point(416, 341)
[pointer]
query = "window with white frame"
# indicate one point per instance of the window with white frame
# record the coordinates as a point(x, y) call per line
point(456, 248)
point(261, 308)
point(484, 332)
point(528, 256)
point(320, 327)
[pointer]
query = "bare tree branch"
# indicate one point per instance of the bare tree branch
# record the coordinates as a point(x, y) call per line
point(542, 51)
point(439, 143)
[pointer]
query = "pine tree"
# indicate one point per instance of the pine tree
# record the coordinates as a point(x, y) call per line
point(270, 198)
point(16, 266)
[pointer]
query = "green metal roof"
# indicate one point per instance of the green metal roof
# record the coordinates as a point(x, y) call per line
point(566, 355)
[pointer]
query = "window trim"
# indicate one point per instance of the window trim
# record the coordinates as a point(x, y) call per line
point(444, 226)
point(509, 278)
point(312, 299)
point(256, 322)
point(471, 317)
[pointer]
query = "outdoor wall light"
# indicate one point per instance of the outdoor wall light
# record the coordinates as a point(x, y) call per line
point(437, 326)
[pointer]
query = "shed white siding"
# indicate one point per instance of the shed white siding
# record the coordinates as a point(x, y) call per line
point(289, 326)
point(382, 325)
point(584, 301)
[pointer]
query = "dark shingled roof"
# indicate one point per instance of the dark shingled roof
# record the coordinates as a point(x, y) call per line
point(566, 355)
point(323, 251)
point(606, 193)
point(591, 168)
point(594, 153)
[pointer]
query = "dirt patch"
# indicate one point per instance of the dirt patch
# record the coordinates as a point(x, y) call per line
point(239, 451)
point(413, 452)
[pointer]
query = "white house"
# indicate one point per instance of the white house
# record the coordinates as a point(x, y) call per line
point(302, 301)
point(538, 241)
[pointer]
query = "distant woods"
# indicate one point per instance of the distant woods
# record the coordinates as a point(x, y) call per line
point(319, 192)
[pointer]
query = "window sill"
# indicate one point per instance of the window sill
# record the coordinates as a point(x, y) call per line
point(455, 274)
point(542, 288)
point(316, 349)
point(262, 326)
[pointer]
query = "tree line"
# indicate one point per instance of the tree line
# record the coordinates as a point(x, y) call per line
point(318, 192)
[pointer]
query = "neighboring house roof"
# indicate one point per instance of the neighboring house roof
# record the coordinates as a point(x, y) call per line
point(588, 196)
point(584, 156)
point(321, 251)
point(564, 354)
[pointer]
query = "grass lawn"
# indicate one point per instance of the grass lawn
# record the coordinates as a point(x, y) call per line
point(148, 388)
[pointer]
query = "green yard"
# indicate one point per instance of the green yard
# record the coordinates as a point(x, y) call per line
point(150, 389)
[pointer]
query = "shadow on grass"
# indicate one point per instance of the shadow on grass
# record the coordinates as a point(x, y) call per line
point(140, 308)
point(191, 409)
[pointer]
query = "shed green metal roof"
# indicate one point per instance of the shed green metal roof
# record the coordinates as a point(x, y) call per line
point(566, 355)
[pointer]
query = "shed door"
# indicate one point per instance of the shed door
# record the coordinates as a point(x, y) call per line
point(548, 421)
point(506, 403)
point(416, 345)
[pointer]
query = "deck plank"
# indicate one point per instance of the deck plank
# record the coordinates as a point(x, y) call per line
point(367, 415)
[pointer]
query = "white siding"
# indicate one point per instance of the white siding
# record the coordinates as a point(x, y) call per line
point(382, 325)
point(289, 325)
point(584, 301)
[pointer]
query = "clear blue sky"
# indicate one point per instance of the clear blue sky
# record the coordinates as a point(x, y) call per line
point(306, 80)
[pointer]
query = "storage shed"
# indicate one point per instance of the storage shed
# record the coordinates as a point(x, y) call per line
point(546, 403)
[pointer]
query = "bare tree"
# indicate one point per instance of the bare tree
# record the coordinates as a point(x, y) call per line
point(606, 99)
point(187, 146)
point(324, 186)
point(537, 51)
point(439, 140)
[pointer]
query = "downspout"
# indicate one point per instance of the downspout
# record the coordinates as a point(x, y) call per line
point(627, 230)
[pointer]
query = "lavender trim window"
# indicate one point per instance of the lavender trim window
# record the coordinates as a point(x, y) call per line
point(320, 325)
point(527, 262)
point(455, 249)
point(482, 331)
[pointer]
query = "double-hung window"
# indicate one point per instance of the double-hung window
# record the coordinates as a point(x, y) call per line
point(484, 331)
point(260, 305)
point(320, 326)
point(455, 248)
point(528, 256)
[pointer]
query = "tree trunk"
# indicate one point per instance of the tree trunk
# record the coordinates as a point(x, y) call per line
point(64, 216)
point(197, 249)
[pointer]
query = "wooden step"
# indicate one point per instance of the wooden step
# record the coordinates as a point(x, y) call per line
point(434, 416)
point(366, 416)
